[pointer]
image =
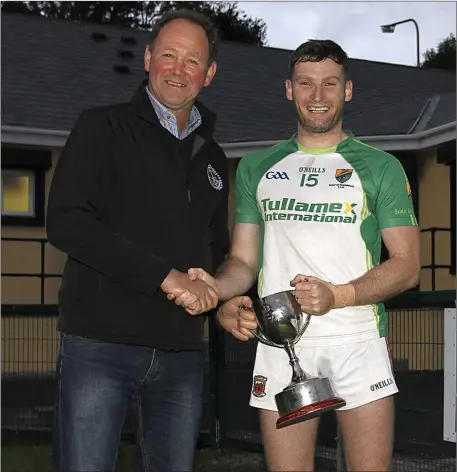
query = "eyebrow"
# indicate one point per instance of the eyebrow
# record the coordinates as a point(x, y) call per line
point(175, 49)
point(330, 77)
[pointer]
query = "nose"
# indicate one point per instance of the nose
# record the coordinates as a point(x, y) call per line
point(178, 67)
point(317, 94)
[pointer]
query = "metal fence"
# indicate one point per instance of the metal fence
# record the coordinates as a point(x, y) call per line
point(417, 343)
point(416, 335)
point(29, 348)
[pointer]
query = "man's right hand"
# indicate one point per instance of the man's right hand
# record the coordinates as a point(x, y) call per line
point(187, 299)
point(236, 317)
point(178, 284)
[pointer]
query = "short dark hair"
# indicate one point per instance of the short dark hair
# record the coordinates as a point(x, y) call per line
point(195, 17)
point(317, 50)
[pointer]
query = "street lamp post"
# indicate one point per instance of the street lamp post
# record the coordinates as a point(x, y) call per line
point(391, 28)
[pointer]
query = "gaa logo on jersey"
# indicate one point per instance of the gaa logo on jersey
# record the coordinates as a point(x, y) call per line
point(258, 386)
point(277, 175)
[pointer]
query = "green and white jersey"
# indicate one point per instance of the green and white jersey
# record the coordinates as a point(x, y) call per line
point(321, 212)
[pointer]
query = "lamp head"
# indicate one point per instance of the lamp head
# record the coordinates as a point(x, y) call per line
point(387, 28)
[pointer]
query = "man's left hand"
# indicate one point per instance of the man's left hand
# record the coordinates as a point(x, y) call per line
point(313, 294)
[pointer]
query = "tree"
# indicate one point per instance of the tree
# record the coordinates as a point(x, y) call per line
point(233, 24)
point(443, 57)
point(129, 14)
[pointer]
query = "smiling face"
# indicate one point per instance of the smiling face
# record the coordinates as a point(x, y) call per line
point(177, 63)
point(319, 91)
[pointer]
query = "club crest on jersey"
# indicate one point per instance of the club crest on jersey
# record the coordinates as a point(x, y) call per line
point(214, 178)
point(343, 175)
point(258, 386)
point(408, 188)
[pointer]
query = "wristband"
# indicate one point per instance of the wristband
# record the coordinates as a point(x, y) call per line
point(344, 295)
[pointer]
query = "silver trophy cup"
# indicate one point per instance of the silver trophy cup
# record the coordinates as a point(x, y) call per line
point(281, 324)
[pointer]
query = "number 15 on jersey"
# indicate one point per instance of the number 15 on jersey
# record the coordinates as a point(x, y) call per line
point(309, 180)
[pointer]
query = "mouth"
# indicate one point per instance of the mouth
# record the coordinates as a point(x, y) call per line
point(317, 110)
point(172, 83)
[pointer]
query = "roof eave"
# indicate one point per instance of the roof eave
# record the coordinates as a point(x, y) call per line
point(403, 142)
point(34, 136)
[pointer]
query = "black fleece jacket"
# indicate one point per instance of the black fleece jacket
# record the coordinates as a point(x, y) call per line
point(129, 202)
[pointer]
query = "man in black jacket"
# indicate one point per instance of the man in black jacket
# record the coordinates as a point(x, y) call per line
point(139, 195)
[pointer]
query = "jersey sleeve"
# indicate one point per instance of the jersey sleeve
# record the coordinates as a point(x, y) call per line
point(394, 206)
point(246, 209)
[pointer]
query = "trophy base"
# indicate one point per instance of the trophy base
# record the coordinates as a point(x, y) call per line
point(305, 400)
point(309, 411)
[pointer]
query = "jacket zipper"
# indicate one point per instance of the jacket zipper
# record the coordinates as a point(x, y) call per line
point(195, 150)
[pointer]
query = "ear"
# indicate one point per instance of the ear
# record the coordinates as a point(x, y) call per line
point(210, 73)
point(147, 58)
point(348, 91)
point(289, 92)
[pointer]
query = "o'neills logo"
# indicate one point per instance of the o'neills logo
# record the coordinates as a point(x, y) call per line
point(382, 384)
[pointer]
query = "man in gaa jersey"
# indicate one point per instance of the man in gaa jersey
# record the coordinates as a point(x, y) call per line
point(311, 213)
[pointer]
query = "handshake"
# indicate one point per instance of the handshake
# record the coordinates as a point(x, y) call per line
point(196, 291)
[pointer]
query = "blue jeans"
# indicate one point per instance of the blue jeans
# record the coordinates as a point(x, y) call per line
point(97, 381)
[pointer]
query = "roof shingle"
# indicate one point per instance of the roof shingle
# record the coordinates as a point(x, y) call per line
point(53, 69)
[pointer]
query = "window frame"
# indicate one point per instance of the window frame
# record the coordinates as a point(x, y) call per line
point(453, 196)
point(408, 160)
point(32, 192)
point(446, 155)
point(34, 162)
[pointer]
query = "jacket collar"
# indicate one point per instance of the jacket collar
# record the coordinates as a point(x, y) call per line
point(143, 107)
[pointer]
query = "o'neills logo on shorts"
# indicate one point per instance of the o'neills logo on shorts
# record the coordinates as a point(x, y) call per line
point(258, 386)
point(382, 384)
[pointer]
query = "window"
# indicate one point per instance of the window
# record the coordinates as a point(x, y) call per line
point(408, 161)
point(452, 169)
point(18, 193)
point(23, 186)
point(446, 155)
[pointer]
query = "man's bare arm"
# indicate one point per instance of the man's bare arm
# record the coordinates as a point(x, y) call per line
point(399, 273)
point(238, 272)
point(396, 275)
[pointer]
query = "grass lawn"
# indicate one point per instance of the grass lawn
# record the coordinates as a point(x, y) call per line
point(23, 457)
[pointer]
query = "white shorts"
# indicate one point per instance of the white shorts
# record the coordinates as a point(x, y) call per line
point(359, 372)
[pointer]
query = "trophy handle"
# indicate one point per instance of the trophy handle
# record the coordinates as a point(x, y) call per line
point(303, 328)
point(258, 333)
